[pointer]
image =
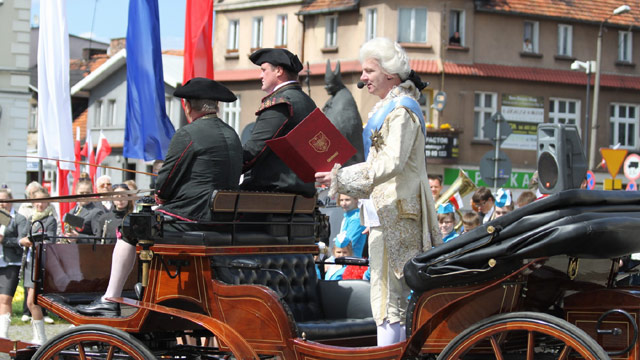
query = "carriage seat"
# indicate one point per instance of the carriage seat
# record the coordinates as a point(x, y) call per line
point(322, 310)
point(347, 312)
point(249, 218)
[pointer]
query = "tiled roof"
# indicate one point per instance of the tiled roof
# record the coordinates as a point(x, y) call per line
point(326, 6)
point(174, 52)
point(583, 10)
point(80, 122)
point(79, 68)
point(432, 67)
point(540, 75)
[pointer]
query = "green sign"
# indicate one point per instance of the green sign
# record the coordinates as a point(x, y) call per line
point(517, 180)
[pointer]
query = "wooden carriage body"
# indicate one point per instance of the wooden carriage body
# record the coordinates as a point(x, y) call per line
point(206, 284)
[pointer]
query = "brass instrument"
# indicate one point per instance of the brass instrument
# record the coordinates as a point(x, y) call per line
point(462, 185)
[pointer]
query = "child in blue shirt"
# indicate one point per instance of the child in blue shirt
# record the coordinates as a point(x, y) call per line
point(351, 231)
point(447, 221)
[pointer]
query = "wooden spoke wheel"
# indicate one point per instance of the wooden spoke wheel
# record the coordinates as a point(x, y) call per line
point(93, 342)
point(523, 336)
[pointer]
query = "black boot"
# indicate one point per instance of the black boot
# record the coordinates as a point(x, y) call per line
point(99, 307)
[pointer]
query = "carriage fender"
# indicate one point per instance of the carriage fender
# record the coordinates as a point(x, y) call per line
point(240, 348)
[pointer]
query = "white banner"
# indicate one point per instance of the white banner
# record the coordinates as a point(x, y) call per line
point(55, 136)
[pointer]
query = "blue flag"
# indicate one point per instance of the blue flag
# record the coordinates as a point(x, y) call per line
point(148, 128)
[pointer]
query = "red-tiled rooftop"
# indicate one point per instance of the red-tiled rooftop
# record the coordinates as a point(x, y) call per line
point(321, 6)
point(433, 67)
point(174, 52)
point(583, 10)
point(540, 75)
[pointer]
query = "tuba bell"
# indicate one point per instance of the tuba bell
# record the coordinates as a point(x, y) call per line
point(464, 186)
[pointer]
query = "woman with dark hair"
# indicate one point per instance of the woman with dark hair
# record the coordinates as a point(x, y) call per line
point(107, 224)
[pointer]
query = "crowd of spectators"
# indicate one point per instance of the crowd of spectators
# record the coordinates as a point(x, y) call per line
point(99, 220)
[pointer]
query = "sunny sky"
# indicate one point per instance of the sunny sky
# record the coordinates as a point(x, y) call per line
point(111, 20)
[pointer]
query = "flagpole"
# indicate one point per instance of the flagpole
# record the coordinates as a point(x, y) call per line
point(40, 170)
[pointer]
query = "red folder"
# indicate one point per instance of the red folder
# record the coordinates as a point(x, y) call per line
point(312, 146)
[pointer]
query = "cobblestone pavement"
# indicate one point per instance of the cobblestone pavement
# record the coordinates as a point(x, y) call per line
point(22, 331)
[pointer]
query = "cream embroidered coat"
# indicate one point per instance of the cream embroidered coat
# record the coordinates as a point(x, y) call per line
point(394, 177)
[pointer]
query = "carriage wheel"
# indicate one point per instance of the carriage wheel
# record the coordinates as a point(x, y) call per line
point(523, 335)
point(93, 342)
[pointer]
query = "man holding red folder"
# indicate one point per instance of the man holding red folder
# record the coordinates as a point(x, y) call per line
point(285, 106)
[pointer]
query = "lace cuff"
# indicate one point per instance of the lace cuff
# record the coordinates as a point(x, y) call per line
point(333, 188)
point(355, 180)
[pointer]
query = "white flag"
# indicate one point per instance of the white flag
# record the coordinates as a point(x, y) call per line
point(55, 136)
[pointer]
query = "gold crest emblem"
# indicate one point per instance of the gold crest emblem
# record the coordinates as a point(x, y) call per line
point(320, 142)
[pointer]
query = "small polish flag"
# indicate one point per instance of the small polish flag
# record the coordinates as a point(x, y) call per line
point(104, 149)
point(456, 200)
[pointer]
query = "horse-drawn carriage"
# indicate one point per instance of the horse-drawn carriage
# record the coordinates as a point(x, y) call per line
point(540, 282)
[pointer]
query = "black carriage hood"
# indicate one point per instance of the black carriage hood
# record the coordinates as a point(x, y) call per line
point(579, 223)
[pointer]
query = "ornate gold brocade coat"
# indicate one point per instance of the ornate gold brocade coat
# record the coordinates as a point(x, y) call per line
point(394, 177)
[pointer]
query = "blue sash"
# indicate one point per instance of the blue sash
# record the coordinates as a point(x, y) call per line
point(375, 123)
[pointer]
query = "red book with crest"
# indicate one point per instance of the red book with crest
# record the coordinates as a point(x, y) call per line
point(314, 145)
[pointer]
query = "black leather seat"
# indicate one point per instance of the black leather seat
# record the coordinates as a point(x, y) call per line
point(321, 309)
point(346, 308)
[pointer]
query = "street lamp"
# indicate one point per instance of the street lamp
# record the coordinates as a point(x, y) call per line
point(589, 68)
point(596, 86)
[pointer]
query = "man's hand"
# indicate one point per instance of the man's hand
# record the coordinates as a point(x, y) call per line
point(324, 178)
point(25, 242)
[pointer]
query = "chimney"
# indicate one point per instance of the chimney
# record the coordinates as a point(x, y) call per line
point(116, 45)
point(88, 53)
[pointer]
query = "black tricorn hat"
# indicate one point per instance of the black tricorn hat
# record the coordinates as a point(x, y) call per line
point(277, 57)
point(203, 88)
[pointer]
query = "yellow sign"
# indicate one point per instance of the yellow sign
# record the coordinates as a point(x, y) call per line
point(614, 159)
point(612, 184)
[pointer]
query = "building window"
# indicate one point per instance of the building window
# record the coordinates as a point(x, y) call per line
point(485, 105)
point(456, 25)
point(234, 36)
point(564, 111)
point(412, 25)
point(112, 116)
point(33, 118)
point(530, 38)
point(331, 32)
point(372, 23)
point(97, 114)
point(624, 46)
point(281, 30)
point(256, 33)
point(624, 125)
point(231, 114)
point(565, 40)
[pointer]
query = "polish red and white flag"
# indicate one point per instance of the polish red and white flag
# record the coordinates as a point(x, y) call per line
point(104, 149)
point(456, 200)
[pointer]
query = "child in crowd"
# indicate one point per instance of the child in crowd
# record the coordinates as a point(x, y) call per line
point(335, 271)
point(447, 221)
point(470, 221)
point(504, 203)
point(351, 231)
point(527, 197)
point(484, 200)
point(43, 221)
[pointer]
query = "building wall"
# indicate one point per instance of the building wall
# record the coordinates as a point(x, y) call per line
point(240, 59)
point(14, 93)
point(489, 38)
